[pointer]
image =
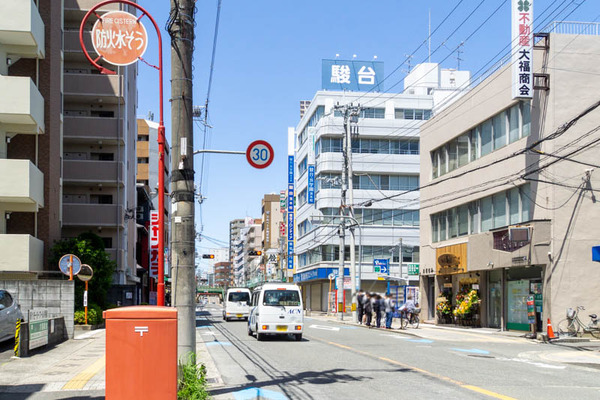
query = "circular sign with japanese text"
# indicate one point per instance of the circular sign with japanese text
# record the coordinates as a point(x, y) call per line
point(260, 154)
point(65, 262)
point(86, 273)
point(119, 38)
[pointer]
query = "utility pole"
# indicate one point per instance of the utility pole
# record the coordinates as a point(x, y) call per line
point(350, 113)
point(181, 30)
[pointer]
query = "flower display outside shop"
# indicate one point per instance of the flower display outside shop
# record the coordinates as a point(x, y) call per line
point(444, 307)
point(466, 303)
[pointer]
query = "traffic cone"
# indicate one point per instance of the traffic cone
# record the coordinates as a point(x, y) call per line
point(550, 330)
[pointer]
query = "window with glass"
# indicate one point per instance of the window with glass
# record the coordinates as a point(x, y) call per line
point(302, 166)
point(462, 150)
point(302, 197)
point(378, 113)
point(505, 127)
point(496, 211)
point(499, 124)
point(281, 298)
point(411, 113)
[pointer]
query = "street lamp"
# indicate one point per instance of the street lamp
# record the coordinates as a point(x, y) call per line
point(160, 295)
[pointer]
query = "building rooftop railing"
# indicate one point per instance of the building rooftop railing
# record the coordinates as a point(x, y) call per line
point(573, 28)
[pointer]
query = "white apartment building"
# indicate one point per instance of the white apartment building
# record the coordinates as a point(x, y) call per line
point(385, 163)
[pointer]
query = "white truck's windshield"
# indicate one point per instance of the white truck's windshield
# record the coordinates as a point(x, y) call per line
point(239, 296)
point(281, 298)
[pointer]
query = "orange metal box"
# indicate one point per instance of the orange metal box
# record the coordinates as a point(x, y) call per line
point(141, 353)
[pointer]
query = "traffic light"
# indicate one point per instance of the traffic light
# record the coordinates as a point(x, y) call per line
point(255, 253)
point(208, 256)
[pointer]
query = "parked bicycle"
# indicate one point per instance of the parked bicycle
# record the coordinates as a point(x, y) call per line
point(412, 318)
point(572, 325)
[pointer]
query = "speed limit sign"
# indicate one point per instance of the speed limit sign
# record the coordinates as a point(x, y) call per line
point(260, 154)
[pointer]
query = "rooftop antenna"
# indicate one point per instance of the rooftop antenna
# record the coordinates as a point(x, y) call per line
point(409, 58)
point(429, 38)
point(458, 51)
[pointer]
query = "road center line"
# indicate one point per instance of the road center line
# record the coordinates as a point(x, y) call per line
point(421, 371)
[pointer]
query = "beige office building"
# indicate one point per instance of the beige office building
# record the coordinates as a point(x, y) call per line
point(99, 147)
point(508, 203)
point(272, 240)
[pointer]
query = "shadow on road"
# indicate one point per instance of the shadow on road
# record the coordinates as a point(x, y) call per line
point(327, 377)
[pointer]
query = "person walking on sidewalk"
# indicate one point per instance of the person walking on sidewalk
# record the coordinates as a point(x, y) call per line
point(389, 310)
point(360, 298)
point(368, 307)
point(377, 310)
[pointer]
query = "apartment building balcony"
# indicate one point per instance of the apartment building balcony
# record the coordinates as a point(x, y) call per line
point(72, 46)
point(86, 88)
point(23, 253)
point(22, 32)
point(23, 110)
point(90, 215)
point(21, 183)
point(75, 10)
point(86, 172)
point(86, 129)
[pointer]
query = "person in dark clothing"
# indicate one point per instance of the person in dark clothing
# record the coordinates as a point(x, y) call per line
point(360, 298)
point(377, 310)
point(368, 309)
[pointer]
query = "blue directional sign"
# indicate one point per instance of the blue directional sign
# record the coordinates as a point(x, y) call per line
point(359, 76)
point(382, 265)
point(311, 184)
point(291, 169)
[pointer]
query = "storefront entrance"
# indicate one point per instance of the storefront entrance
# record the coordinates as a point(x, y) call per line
point(521, 283)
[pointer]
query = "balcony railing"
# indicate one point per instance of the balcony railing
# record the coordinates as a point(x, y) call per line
point(100, 215)
point(21, 182)
point(82, 87)
point(21, 106)
point(88, 171)
point(21, 29)
point(23, 253)
point(85, 129)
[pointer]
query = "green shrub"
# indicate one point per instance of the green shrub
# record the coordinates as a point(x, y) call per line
point(192, 383)
point(94, 316)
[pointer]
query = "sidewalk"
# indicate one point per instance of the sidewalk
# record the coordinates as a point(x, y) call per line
point(69, 369)
point(428, 330)
point(73, 369)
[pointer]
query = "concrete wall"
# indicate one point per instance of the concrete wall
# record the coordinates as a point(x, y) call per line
point(56, 296)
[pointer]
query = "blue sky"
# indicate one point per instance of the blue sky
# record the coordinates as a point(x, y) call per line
point(269, 58)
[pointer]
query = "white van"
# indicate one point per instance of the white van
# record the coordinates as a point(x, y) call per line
point(237, 304)
point(276, 309)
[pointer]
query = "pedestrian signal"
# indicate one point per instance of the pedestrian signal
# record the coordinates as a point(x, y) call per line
point(208, 256)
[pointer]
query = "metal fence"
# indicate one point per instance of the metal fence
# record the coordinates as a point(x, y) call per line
point(573, 28)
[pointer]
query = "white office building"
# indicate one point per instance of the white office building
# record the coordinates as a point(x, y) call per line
point(385, 163)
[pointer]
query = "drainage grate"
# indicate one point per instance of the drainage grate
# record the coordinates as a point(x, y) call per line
point(480, 356)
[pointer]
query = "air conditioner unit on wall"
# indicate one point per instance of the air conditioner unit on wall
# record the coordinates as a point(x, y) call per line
point(519, 234)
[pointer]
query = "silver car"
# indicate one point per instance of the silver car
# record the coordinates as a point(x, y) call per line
point(10, 312)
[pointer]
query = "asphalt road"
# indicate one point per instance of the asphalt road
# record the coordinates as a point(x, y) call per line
point(336, 361)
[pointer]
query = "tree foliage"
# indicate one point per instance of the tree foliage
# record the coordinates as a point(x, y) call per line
point(89, 247)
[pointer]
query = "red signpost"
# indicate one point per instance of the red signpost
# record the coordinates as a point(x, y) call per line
point(121, 40)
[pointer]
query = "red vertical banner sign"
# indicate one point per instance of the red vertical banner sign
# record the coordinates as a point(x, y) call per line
point(154, 243)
